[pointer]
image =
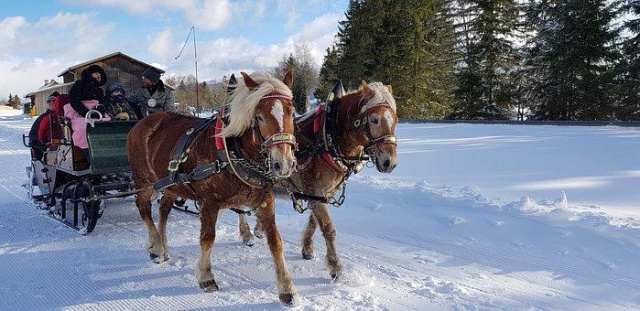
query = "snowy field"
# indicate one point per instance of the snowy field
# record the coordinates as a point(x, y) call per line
point(476, 217)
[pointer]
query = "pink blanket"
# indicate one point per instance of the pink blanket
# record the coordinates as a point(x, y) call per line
point(79, 123)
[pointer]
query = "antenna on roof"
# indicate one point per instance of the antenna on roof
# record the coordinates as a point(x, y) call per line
point(195, 55)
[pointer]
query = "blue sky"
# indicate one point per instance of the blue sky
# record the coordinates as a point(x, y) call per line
point(39, 39)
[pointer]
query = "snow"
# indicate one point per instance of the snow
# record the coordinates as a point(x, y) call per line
point(474, 217)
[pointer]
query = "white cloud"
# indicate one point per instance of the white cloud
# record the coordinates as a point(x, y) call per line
point(211, 15)
point(33, 51)
point(228, 55)
point(204, 14)
point(162, 44)
point(292, 18)
point(10, 26)
point(260, 8)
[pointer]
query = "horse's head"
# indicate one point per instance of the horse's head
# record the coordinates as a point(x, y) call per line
point(376, 121)
point(265, 104)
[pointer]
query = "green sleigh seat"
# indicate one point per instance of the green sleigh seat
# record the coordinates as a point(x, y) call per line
point(108, 146)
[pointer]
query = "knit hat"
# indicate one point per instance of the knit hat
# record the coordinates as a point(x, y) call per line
point(113, 87)
point(152, 75)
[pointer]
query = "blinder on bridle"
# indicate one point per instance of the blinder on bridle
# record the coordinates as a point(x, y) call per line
point(279, 137)
point(374, 142)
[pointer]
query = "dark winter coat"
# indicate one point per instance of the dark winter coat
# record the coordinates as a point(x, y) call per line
point(88, 89)
point(33, 133)
point(164, 99)
point(119, 104)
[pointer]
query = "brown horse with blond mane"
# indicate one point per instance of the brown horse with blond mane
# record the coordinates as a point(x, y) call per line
point(259, 112)
point(334, 141)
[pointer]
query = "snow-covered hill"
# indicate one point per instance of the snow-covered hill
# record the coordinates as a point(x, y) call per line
point(474, 217)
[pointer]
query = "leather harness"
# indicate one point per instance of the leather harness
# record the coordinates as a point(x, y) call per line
point(251, 174)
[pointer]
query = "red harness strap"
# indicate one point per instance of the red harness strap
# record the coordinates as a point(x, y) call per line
point(218, 129)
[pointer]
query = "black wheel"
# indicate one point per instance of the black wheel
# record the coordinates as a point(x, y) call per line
point(90, 215)
point(75, 211)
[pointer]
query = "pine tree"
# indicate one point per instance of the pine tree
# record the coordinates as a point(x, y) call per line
point(483, 80)
point(328, 74)
point(407, 44)
point(352, 45)
point(569, 59)
point(628, 69)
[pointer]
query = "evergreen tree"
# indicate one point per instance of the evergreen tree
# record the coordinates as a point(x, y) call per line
point(352, 46)
point(407, 44)
point(569, 59)
point(328, 74)
point(483, 87)
point(628, 69)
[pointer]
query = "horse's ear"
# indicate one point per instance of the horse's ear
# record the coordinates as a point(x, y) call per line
point(288, 78)
point(389, 89)
point(365, 87)
point(248, 81)
point(232, 81)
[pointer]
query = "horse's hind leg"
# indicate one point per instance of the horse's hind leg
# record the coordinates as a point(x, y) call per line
point(307, 238)
point(321, 213)
point(154, 243)
point(286, 289)
point(166, 204)
point(208, 219)
point(257, 230)
point(245, 231)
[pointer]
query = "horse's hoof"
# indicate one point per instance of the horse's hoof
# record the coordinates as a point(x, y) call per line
point(209, 286)
point(258, 233)
point(308, 255)
point(288, 300)
point(166, 257)
point(335, 276)
point(248, 242)
point(155, 258)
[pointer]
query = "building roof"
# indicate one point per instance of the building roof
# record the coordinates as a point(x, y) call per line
point(72, 68)
point(48, 87)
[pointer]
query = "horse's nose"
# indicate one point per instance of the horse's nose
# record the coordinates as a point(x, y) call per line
point(386, 164)
point(278, 167)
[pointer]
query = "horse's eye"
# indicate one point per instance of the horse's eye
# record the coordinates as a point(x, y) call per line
point(260, 118)
point(374, 121)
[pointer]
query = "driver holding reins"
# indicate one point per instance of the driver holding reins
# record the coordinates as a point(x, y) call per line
point(153, 96)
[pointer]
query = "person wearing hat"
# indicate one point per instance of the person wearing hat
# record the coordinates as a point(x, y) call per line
point(34, 142)
point(86, 95)
point(87, 90)
point(153, 96)
point(119, 107)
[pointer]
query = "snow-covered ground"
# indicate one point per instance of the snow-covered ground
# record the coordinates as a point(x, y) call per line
point(474, 217)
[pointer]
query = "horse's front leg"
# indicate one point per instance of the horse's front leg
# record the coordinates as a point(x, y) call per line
point(286, 289)
point(323, 218)
point(208, 218)
point(245, 231)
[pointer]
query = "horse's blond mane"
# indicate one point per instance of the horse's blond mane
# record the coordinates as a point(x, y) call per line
point(380, 94)
point(243, 103)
